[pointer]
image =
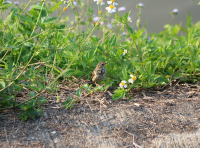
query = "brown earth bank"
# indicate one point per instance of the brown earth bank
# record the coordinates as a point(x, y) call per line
point(164, 119)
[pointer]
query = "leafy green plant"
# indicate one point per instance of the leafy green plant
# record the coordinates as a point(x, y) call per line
point(68, 104)
point(29, 110)
point(38, 51)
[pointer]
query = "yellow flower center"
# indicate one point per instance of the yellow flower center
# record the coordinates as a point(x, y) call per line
point(100, 12)
point(125, 52)
point(133, 78)
point(64, 9)
point(112, 1)
point(111, 6)
point(122, 83)
point(101, 1)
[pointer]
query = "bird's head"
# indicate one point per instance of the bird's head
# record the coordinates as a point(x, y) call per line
point(101, 64)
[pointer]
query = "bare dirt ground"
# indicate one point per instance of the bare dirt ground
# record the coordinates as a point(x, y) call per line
point(163, 119)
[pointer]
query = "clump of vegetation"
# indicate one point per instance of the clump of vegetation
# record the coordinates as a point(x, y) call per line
point(38, 50)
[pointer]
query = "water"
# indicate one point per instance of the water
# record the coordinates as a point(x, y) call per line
point(155, 12)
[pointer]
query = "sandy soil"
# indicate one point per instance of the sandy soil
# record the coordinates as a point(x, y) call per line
point(164, 119)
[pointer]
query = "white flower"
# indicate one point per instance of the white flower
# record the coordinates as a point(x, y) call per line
point(112, 2)
point(43, 18)
point(125, 52)
point(133, 78)
point(112, 20)
point(121, 8)
point(8, 1)
point(175, 11)
point(124, 33)
point(109, 26)
point(64, 2)
point(129, 19)
point(141, 5)
point(72, 2)
point(16, 3)
point(149, 38)
point(123, 84)
point(111, 9)
point(100, 2)
point(96, 19)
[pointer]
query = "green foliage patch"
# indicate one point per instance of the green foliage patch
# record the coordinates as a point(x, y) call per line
point(37, 51)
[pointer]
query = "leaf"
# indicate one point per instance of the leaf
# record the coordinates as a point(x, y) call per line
point(108, 85)
point(82, 23)
point(23, 117)
point(2, 83)
point(98, 88)
point(28, 44)
point(27, 18)
point(124, 72)
point(5, 5)
point(192, 52)
point(116, 96)
point(133, 36)
point(112, 40)
point(139, 33)
point(117, 17)
point(126, 15)
point(40, 87)
point(85, 86)
point(118, 93)
point(49, 88)
point(128, 96)
point(148, 67)
point(50, 20)
point(90, 10)
point(32, 113)
point(55, 7)
point(8, 18)
point(68, 104)
point(22, 106)
point(10, 67)
point(37, 7)
point(78, 92)
point(100, 48)
point(69, 72)
point(32, 94)
point(42, 100)
point(93, 39)
point(189, 20)
point(130, 30)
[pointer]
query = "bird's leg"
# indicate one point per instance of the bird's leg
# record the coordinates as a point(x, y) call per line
point(99, 84)
point(96, 83)
point(102, 85)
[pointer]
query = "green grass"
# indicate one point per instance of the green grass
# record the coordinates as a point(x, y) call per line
point(37, 52)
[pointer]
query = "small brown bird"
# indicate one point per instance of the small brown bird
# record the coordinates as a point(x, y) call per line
point(99, 72)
